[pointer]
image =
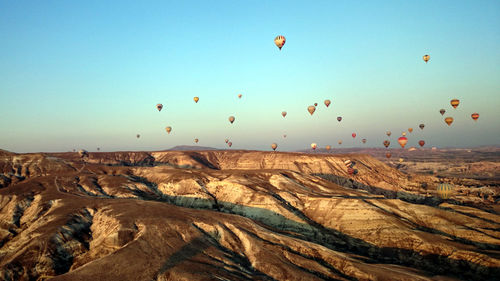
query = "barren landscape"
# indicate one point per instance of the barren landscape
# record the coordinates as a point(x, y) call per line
point(240, 215)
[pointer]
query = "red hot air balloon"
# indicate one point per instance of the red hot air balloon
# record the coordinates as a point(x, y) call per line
point(402, 141)
point(475, 116)
point(339, 118)
point(421, 143)
point(353, 135)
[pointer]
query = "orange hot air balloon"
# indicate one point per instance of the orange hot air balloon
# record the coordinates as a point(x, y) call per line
point(363, 140)
point(340, 142)
point(442, 111)
point(280, 41)
point(448, 120)
point(387, 143)
point(196, 140)
point(454, 103)
point(328, 147)
point(239, 96)
point(231, 119)
point(168, 129)
point(311, 109)
point(410, 130)
point(421, 126)
point(314, 145)
point(426, 58)
point(388, 155)
point(327, 103)
point(196, 99)
point(421, 143)
point(339, 118)
point(475, 116)
point(402, 141)
point(315, 104)
point(159, 106)
point(274, 146)
point(353, 135)
point(283, 113)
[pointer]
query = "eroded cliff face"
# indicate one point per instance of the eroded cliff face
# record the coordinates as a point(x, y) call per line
point(236, 215)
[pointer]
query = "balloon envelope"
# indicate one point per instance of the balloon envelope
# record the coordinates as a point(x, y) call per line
point(168, 129)
point(328, 147)
point(388, 133)
point(448, 120)
point(387, 143)
point(274, 146)
point(442, 111)
point(279, 41)
point(454, 103)
point(283, 113)
point(426, 58)
point(388, 155)
point(314, 145)
point(410, 130)
point(327, 103)
point(363, 140)
point(421, 143)
point(231, 119)
point(196, 99)
point(402, 141)
point(311, 109)
point(159, 106)
point(353, 135)
point(445, 190)
point(138, 136)
point(421, 126)
point(239, 96)
point(230, 144)
point(339, 118)
point(474, 116)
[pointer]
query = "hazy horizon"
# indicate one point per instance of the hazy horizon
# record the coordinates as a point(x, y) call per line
point(87, 75)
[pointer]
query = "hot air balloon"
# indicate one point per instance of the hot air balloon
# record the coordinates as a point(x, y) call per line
point(168, 129)
point(403, 134)
point(454, 103)
point(196, 99)
point(226, 140)
point(340, 142)
point(421, 126)
point(315, 104)
point(448, 120)
point(388, 133)
point(348, 163)
point(196, 140)
point(421, 143)
point(339, 118)
point(442, 111)
point(328, 147)
point(426, 58)
point(274, 146)
point(311, 109)
point(98, 149)
point(474, 116)
point(138, 136)
point(314, 145)
point(412, 149)
point(353, 135)
point(230, 144)
point(327, 103)
point(231, 119)
point(284, 136)
point(410, 130)
point(283, 113)
point(363, 140)
point(402, 141)
point(279, 41)
point(401, 160)
point(388, 155)
point(387, 143)
point(159, 106)
point(445, 190)
point(239, 96)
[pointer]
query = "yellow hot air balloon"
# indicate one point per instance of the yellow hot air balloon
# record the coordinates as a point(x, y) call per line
point(327, 103)
point(168, 129)
point(403, 134)
point(279, 41)
point(401, 160)
point(231, 119)
point(410, 130)
point(283, 113)
point(196, 99)
point(426, 58)
point(454, 103)
point(274, 146)
point(311, 109)
point(445, 190)
point(448, 120)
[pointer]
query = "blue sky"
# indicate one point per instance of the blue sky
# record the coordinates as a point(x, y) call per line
point(88, 74)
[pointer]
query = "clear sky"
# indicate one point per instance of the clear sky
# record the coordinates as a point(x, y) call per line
point(88, 74)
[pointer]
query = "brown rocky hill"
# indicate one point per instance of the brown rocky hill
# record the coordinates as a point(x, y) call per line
point(237, 215)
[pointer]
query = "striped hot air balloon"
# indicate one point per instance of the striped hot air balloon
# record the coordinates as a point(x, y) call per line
point(448, 120)
point(445, 190)
point(280, 41)
point(475, 116)
point(454, 103)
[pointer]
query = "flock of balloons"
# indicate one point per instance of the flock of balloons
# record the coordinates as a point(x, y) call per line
point(403, 140)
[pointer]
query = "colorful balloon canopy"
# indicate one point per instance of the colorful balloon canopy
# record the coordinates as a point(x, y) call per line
point(274, 146)
point(311, 109)
point(410, 130)
point(168, 129)
point(421, 143)
point(445, 190)
point(403, 134)
point(442, 111)
point(159, 106)
point(196, 99)
point(314, 145)
point(327, 103)
point(231, 119)
point(353, 135)
point(448, 120)
point(402, 141)
point(387, 143)
point(426, 58)
point(475, 116)
point(454, 103)
point(279, 41)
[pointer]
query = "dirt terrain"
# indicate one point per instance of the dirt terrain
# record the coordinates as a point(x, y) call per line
point(243, 215)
